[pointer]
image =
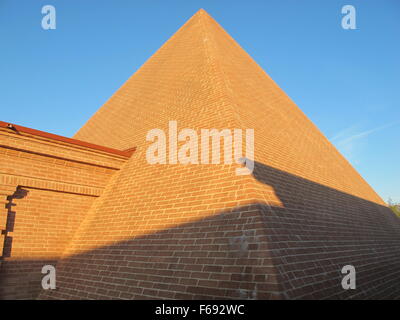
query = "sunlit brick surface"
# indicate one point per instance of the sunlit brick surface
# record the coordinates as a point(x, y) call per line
point(46, 189)
point(200, 231)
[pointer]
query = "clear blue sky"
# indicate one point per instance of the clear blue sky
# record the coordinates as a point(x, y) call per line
point(346, 81)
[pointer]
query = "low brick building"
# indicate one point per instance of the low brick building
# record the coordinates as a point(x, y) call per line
point(118, 227)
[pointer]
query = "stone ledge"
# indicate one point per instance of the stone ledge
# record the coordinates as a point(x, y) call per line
point(10, 182)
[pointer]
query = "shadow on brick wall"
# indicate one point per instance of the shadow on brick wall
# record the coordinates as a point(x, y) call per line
point(251, 252)
point(319, 230)
point(20, 193)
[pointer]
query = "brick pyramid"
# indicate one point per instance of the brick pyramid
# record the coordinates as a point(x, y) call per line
point(201, 231)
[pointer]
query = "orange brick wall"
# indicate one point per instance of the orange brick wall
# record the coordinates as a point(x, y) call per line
point(46, 190)
point(120, 228)
point(200, 231)
point(31, 157)
point(43, 224)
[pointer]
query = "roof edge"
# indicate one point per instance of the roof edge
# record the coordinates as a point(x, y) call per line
point(20, 129)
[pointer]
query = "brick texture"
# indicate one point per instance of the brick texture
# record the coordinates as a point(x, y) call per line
point(46, 188)
point(201, 231)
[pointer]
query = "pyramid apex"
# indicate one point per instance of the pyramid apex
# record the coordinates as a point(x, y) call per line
point(201, 12)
